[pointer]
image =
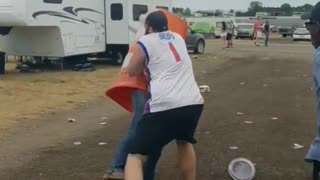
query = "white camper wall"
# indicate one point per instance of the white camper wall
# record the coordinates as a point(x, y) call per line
point(140, 5)
point(76, 25)
point(166, 4)
point(117, 19)
point(13, 12)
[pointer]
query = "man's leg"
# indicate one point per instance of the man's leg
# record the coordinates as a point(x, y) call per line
point(186, 161)
point(267, 39)
point(133, 170)
point(316, 170)
point(231, 41)
point(155, 130)
point(119, 160)
point(150, 165)
point(255, 37)
point(185, 138)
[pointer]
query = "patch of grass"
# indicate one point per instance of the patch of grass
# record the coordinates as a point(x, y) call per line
point(25, 96)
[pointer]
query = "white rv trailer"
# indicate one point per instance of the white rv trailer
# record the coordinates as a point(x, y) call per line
point(69, 28)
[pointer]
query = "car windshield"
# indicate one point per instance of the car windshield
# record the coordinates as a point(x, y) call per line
point(245, 27)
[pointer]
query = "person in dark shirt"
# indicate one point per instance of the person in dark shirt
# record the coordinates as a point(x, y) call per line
point(266, 30)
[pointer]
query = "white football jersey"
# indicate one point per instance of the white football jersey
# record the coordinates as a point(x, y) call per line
point(171, 82)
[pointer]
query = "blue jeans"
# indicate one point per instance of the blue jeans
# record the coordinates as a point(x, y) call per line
point(120, 158)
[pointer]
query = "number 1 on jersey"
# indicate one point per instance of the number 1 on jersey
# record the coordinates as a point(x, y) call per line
point(174, 52)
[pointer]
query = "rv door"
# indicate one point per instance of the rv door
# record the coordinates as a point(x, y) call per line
point(117, 22)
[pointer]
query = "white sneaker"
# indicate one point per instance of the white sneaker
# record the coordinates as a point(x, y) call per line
point(114, 175)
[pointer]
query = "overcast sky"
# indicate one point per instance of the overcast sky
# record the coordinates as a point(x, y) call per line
point(234, 4)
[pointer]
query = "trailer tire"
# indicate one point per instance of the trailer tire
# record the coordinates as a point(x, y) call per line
point(118, 58)
point(2, 63)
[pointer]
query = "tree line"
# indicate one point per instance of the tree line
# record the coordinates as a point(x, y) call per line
point(284, 10)
point(255, 6)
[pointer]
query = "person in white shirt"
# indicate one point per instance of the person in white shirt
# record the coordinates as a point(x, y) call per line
point(174, 103)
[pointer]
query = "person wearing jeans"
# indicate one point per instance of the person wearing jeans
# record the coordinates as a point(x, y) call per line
point(266, 30)
point(116, 168)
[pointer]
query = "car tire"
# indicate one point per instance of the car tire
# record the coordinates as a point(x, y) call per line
point(200, 47)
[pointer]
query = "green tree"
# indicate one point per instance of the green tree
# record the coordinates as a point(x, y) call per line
point(287, 9)
point(177, 10)
point(307, 7)
point(187, 12)
point(231, 11)
point(255, 6)
point(218, 12)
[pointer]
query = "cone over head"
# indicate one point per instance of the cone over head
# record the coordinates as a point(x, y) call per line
point(121, 89)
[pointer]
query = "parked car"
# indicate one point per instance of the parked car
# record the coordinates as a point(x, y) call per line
point(275, 29)
point(245, 30)
point(204, 28)
point(195, 42)
point(285, 31)
point(301, 34)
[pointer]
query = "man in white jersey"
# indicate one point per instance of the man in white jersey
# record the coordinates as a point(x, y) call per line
point(174, 101)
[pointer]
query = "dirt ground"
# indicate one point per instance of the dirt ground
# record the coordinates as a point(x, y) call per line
point(269, 86)
point(30, 95)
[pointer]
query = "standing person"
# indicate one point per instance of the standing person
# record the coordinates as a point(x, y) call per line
point(313, 27)
point(224, 34)
point(266, 30)
point(229, 35)
point(174, 104)
point(257, 30)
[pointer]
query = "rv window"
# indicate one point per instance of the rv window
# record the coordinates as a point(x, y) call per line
point(116, 12)
point(53, 1)
point(162, 7)
point(138, 10)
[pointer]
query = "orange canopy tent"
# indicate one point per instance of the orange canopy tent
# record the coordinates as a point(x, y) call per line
point(121, 89)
